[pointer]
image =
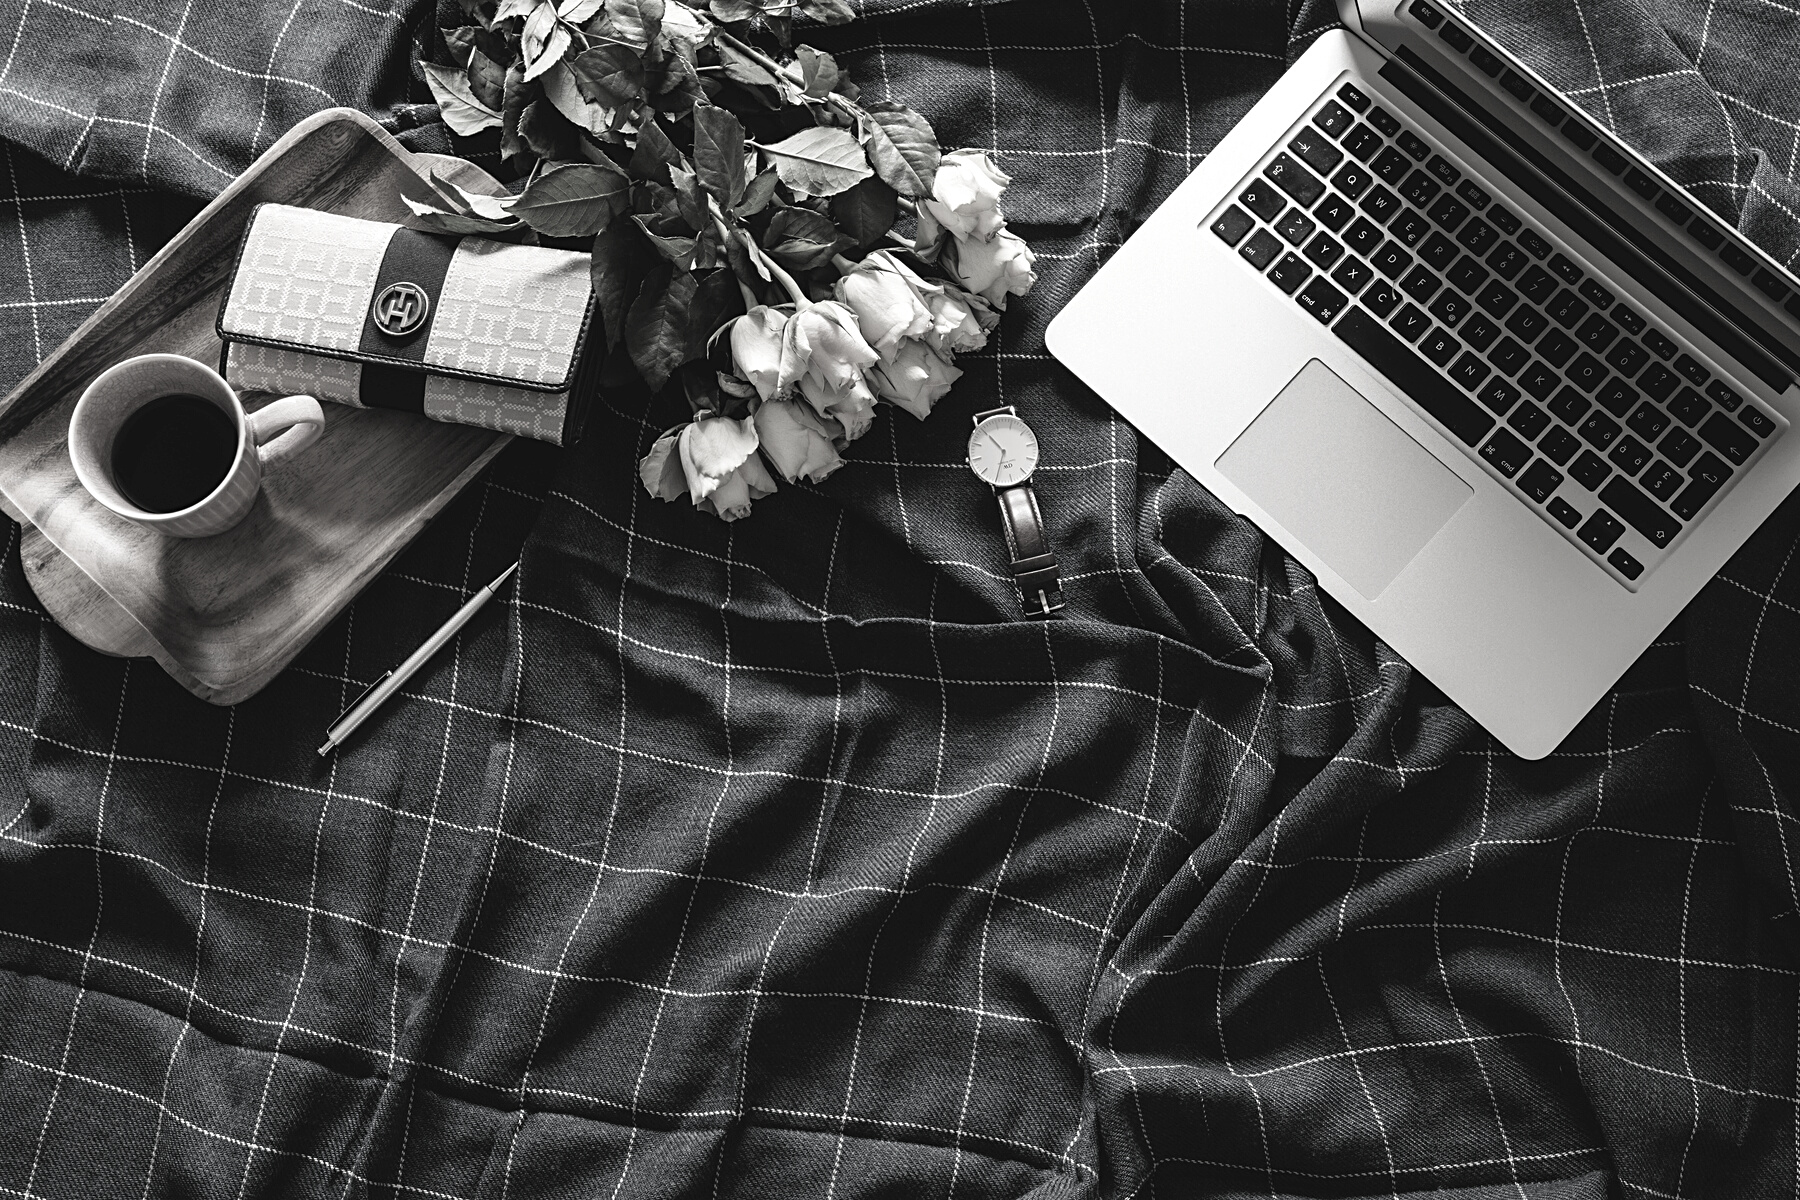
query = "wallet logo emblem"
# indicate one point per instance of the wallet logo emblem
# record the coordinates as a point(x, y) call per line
point(400, 308)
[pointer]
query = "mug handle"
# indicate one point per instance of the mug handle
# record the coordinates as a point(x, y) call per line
point(286, 427)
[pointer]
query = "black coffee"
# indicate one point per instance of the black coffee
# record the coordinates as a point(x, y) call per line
point(171, 453)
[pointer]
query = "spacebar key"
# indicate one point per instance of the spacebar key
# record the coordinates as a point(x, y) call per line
point(1413, 375)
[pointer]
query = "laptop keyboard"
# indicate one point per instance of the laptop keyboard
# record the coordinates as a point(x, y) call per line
point(1611, 429)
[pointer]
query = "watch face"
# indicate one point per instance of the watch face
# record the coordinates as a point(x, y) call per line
point(1003, 451)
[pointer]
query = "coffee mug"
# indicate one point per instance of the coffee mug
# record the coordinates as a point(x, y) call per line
point(174, 426)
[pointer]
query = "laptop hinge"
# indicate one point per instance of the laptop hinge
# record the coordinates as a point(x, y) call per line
point(1628, 248)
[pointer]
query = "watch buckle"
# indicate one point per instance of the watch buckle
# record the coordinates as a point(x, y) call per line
point(1041, 605)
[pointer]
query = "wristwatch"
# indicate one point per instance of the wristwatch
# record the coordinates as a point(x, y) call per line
point(1003, 451)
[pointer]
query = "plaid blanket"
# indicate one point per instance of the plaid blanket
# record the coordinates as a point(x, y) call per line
point(781, 859)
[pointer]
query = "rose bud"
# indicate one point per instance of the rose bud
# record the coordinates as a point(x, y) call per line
point(965, 196)
point(915, 378)
point(797, 440)
point(756, 349)
point(888, 299)
point(993, 269)
point(661, 468)
point(852, 406)
point(823, 342)
point(959, 321)
point(724, 474)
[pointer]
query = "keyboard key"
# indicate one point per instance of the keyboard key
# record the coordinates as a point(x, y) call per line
point(1410, 227)
point(1324, 250)
point(1757, 422)
point(1628, 320)
point(1295, 226)
point(1630, 455)
point(1288, 175)
point(1597, 333)
point(1456, 38)
point(1263, 200)
point(1662, 481)
point(1547, 111)
point(1420, 188)
point(1569, 406)
point(1407, 371)
point(1363, 142)
point(1538, 380)
point(1538, 285)
point(1640, 511)
point(1585, 372)
point(1316, 150)
point(1641, 183)
point(1736, 259)
point(1391, 165)
point(1609, 158)
point(1476, 198)
point(1689, 407)
point(1363, 237)
point(1598, 430)
point(1352, 180)
point(1659, 381)
point(1679, 446)
point(1381, 299)
point(1559, 445)
point(1710, 468)
point(1617, 397)
point(1628, 358)
point(1529, 420)
point(1442, 168)
point(1624, 564)
point(1289, 273)
point(1411, 322)
point(1659, 344)
point(1534, 244)
point(1321, 300)
point(1335, 213)
point(1467, 275)
point(1507, 260)
point(1579, 135)
point(1509, 356)
point(1504, 221)
point(1420, 284)
point(1497, 298)
point(1728, 438)
point(1449, 308)
point(1703, 232)
point(1439, 347)
point(1515, 83)
point(1499, 395)
point(1353, 274)
point(1596, 295)
point(1413, 144)
point(1567, 308)
point(1527, 324)
point(1233, 224)
point(1351, 95)
point(1601, 531)
point(1647, 421)
point(1470, 371)
point(1565, 513)
point(1691, 370)
point(1555, 347)
point(1506, 452)
point(1590, 470)
point(1480, 332)
point(1486, 60)
point(1539, 480)
point(1565, 269)
point(1381, 204)
point(1385, 121)
point(1439, 251)
point(1334, 119)
point(1391, 260)
point(1448, 212)
point(1261, 249)
point(1726, 398)
point(1477, 237)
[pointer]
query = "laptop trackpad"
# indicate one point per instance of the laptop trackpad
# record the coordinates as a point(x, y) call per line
point(1353, 486)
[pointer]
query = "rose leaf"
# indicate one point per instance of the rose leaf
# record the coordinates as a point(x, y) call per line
point(719, 153)
point(463, 113)
point(619, 260)
point(801, 238)
point(757, 193)
point(903, 149)
point(819, 71)
point(574, 199)
point(820, 161)
point(656, 326)
point(866, 212)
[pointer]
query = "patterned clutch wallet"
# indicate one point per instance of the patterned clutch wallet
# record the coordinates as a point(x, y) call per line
point(373, 315)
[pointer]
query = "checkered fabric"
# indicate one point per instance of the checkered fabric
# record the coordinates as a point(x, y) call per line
point(782, 859)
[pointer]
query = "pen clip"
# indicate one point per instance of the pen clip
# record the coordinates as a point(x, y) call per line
point(363, 695)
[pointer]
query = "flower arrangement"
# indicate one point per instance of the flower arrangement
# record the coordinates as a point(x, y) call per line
point(744, 209)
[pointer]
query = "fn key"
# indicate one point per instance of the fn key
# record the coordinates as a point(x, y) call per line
point(1321, 300)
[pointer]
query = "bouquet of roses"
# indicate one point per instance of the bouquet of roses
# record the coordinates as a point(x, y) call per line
point(744, 211)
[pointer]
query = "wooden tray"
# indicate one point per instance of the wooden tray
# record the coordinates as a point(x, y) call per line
point(223, 615)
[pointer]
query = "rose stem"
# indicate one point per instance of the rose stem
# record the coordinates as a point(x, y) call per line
point(750, 300)
point(786, 280)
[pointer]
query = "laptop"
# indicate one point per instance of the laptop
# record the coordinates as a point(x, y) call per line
point(1505, 388)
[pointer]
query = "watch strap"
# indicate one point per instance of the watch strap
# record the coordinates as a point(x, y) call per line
point(1033, 563)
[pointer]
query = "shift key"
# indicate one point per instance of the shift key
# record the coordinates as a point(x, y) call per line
point(1417, 378)
point(1640, 511)
point(1295, 180)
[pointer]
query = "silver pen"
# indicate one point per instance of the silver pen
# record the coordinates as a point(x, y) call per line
point(377, 693)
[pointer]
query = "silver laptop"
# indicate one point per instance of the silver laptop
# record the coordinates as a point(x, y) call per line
point(1502, 385)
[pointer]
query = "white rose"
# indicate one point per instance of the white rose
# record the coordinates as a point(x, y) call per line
point(797, 440)
point(751, 481)
point(852, 406)
point(661, 468)
point(994, 269)
point(915, 378)
point(724, 474)
point(888, 299)
point(959, 321)
point(756, 348)
point(965, 195)
point(824, 343)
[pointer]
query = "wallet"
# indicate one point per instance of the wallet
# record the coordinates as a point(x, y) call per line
point(376, 315)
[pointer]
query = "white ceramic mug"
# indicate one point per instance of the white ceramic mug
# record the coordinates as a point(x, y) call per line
point(264, 437)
